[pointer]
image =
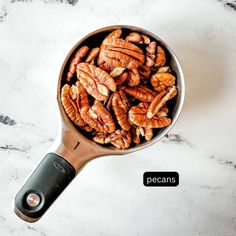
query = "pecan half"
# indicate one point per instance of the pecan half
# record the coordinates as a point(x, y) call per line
point(144, 71)
point(121, 139)
point(163, 111)
point(148, 134)
point(96, 81)
point(114, 34)
point(134, 37)
point(105, 67)
point(108, 103)
point(120, 53)
point(146, 39)
point(120, 106)
point(160, 100)
point(117, 71)
point(133, 78)
point(145, 132)
point(73, 98)
point(138, 116)
point(87, 128)
point(151, 48)
point(160, 57)
point(92, 55)
point(141, 93)
point(100, 138)
point(150, 56)
point(122, 78)
point(135, 134)
point(165, 69)
point(162, 81)
point(98, 117)
point(75, 61)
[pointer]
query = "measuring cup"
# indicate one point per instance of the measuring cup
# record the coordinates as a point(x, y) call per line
point(72, 150)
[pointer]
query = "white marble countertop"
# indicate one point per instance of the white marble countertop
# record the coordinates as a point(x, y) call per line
point(108, 197)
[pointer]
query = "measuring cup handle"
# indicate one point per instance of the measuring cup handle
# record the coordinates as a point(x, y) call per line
point(45, 184)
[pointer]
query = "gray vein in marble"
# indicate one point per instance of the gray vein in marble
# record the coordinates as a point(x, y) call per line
point(211, 187)
point(13, 177)
point(36, 230)
point(2, 219)
point(12, 1)
point(8, 147)
point(3, 14)
point(176, 138)
point(223, 161)
point(28, 126)
point(71, 2)
point(6, 120)
point(229, 4)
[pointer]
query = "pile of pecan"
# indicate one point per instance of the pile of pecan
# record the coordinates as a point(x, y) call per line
point(120, 89)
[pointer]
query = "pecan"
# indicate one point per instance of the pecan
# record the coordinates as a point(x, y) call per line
point(163, 111)
point(149, 61)
point(105, 67)
point(161, 114)
point(165, 69)
point(108, 103)
point(98, 117)
point(122, 78)
point(135, 134)
point(73, 99)
point(150, 56)
point(92, 55)
point(145, 132)
point(160, 100)
point(138, 116)
point(148, 134)
point(133, 78)
point(151, 48)
point(152, 108)
point(100, 138)
point(117, 71)
point(87, 128)
point(96, 81)
point(75, 61)
point(120, 107)
point(146, 39)
point(160, 57)
point(120, 53)
point(134, 38)
point(141, 93)
point(114, 34)
point(121, 139)
point(162, 81)
point(144, 71)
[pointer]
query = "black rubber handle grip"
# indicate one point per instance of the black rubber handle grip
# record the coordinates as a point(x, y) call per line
point(47, 182)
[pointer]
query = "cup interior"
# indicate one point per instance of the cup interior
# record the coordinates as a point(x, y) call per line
point(95, 39)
